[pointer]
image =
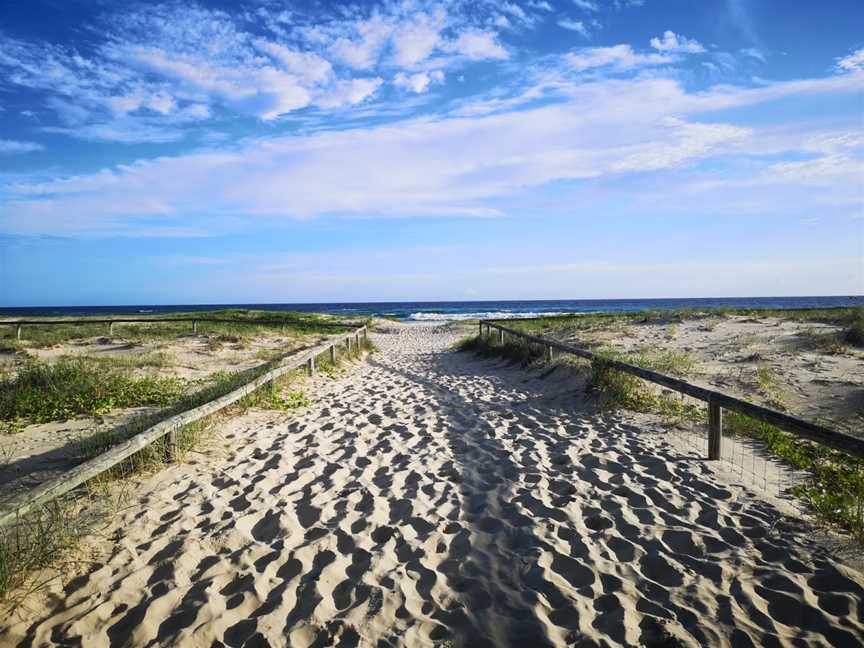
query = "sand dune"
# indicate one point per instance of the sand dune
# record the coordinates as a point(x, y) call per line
point(431, 498)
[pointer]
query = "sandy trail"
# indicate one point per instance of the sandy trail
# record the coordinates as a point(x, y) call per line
point(431, 498)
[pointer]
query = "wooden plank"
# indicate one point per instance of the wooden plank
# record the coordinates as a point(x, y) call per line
point(806, 429)
point(73, 478)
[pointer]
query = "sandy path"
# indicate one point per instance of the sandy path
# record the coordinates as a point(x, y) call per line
point(430, 498)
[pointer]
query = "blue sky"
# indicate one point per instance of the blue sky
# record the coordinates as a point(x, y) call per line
point(272, 151)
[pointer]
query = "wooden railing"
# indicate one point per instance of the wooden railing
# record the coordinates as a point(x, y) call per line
point(44, 493)
point(716, 401)
point(111, 321)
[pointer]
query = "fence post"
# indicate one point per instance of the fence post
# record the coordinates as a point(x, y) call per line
point(172, 445)
point(365, 336)
point(310, 367)
point(480, 334)
point(110, 328)
point(333, 355)
point(18, 331)
point(500, 336)
point(715, 430)
point(548, 353)
point(194, 327)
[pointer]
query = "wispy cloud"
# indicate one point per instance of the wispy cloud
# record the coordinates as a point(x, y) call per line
point(160, 68)
point(10, 147)
point(442, 166)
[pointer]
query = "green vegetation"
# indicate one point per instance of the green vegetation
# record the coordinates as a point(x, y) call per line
point(46, 538)
point(769, 386)
point(854, 333)
point(835, 488)
point(42, 392)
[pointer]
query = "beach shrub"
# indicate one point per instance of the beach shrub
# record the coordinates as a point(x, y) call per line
point(42, 392)
point(855, 330)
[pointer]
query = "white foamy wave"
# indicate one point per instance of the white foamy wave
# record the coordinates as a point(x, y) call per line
point(458, 317)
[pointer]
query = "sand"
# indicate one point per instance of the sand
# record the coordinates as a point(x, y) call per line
point(431, 498)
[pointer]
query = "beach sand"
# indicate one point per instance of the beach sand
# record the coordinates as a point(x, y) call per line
point(432, 498)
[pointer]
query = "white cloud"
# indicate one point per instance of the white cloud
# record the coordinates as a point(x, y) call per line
point(349, 92)
point(9, 147)
point(479, 45)
point(414, 43)
point(852, 62)
point(455, 166)
point(577, 26)
point(619, 57)
point(587, 5)
point(419, 82)
point(675, 43)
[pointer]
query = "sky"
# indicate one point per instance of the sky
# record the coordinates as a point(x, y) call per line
point(261, 151)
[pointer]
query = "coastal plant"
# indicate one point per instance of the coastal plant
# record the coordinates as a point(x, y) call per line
point(40, 539)
point(854, 333)
point(42, 392)
point(834, 487)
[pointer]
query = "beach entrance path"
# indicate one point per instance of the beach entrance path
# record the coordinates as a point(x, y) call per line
point(429, 497)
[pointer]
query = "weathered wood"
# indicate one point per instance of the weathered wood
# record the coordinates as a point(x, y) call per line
point(548, 353)
point(76, 476)
point(715, 431)
point(18, 332)
point(172, 445)
point(310, 367)
point(806, 429)
point(333, 354)
point(110, 328)
point(195, 327)
point(501, 336)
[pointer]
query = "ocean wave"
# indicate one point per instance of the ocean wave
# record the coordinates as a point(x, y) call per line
point(458, 317)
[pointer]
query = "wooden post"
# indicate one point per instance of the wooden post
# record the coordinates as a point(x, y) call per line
point(365, 336)
point(333, 355)
point(194, 327)
point(110, 328)
point(348, 344)
point(172, 445)
point(18, 331)
point(715, 430)
point(500, 336)
point(549, 353)
point(310, 367)
point(480, 333)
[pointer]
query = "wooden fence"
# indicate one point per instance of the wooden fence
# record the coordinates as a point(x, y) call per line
point(110, 322)
point(73, 478)
point(716, 401)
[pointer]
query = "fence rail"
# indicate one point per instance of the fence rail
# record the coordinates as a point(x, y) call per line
point(111, 321)
point(717, 401)
point(71, 479)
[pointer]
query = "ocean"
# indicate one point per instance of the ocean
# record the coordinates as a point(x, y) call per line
point(457, 310)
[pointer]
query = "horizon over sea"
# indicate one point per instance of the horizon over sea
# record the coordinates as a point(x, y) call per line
point(431, 311)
